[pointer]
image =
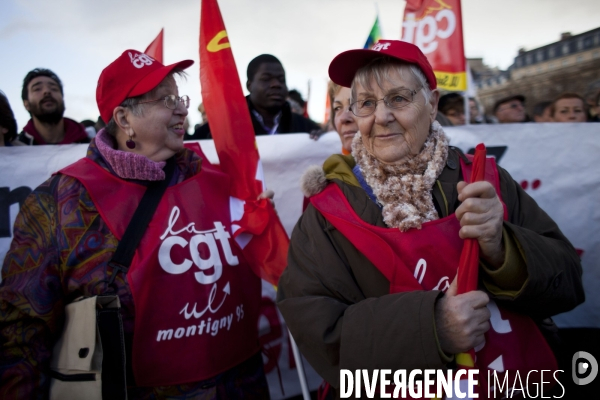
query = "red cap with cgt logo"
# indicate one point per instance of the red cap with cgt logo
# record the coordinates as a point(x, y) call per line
point(344, 66)
point(132, 74)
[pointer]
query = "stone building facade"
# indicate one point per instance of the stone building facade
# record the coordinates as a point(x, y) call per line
point(569, 65)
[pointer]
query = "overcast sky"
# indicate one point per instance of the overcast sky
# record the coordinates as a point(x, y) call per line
point(78, 38)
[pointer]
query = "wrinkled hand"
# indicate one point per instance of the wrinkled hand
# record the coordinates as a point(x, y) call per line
point(480, 216)
point(316, 134)
point(461, 320)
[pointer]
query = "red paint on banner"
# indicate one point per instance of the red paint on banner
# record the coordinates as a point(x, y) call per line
point(535, 184)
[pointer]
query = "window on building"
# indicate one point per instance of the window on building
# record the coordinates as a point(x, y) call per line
point(551, 52)
point(588, 42)
point(565, 49)
point(580, 44)
point(572, 47)
point(579, 59)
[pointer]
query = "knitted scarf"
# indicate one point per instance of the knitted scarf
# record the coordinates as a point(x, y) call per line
point(128, 165)
point(404, 190)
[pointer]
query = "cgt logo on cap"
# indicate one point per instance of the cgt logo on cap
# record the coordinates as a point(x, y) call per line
point(381, 46)
point(140, 60)
point(584, 363)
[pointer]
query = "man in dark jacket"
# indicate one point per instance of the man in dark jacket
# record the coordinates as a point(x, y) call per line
point(270, 112)
point(43, 98)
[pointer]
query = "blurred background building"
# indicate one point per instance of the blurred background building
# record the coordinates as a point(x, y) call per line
point(571, 64)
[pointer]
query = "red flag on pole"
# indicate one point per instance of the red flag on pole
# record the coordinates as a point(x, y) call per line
point(468, 265)
point(155, 49)
point(233, 134)
point(435, 26)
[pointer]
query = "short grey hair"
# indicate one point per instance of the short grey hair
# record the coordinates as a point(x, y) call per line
point(136, 109)
point(133, 103)
point(380, 69)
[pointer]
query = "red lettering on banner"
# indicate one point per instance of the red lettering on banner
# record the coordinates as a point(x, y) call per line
point(535, 184)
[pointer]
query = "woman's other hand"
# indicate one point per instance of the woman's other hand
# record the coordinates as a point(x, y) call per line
point(316, 134)
point(461, 320)
point(267, 194)
point(480, 216)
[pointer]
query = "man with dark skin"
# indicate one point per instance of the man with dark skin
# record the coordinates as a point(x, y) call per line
point(269, 111)
point(268, 92)
point(43, 98)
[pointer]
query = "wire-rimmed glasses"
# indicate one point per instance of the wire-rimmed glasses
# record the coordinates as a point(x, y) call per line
point(171, 101)
point(397, 99)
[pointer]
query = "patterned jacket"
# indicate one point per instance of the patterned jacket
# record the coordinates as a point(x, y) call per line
point(59, 252)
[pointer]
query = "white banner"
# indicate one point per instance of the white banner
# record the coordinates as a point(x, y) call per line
point(556, 164)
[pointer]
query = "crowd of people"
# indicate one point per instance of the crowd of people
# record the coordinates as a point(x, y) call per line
point(349, 304)
point(273, 109)
point(567, 107)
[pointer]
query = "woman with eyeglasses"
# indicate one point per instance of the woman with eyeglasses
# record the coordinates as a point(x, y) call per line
point(370, 281)
point(189, 300)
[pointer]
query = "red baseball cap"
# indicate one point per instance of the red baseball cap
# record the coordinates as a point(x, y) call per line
point(132, 74)
point(344, 66)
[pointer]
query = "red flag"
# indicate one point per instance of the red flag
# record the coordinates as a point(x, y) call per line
point(155, 49)
point(233, 134)
point(435, 26)
point(468, 265)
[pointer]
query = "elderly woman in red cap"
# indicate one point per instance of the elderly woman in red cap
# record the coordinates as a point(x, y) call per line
point(145, 219)
point(370, 282)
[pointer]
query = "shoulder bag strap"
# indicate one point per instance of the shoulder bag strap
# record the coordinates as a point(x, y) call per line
point(116, 373)
point(144, 212)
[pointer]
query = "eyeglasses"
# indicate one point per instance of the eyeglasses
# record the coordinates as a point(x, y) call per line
point(171, 101)
point(395, 100)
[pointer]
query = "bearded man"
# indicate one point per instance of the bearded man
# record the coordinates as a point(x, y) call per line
point(43, 98)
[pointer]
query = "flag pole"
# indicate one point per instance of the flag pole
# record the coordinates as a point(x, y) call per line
point(467, 111)
point(300, 368)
